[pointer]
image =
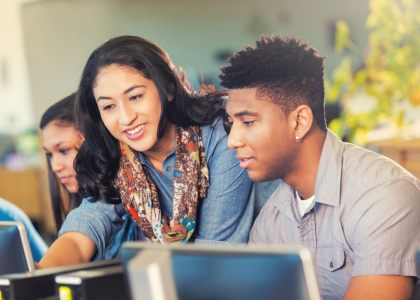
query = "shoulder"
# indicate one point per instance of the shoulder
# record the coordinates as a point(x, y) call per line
point(213, 133)
point(367, 169)
point(10, 212)
point(215, 144)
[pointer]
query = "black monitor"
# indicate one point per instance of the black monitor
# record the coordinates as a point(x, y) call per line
point(15, 252)
point(220, 272)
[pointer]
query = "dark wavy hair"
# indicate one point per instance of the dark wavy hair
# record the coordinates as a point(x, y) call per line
point(62, 111)
point(97, 161)
point(284, 70)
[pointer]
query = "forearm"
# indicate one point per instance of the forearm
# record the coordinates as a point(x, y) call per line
point(70, 248)
point(381, 287)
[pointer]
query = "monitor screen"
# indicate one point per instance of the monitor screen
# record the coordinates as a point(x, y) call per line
point(227, 276)
point(13, 257)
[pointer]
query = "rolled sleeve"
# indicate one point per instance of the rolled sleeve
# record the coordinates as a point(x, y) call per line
point(387, 234)
point(97, 220)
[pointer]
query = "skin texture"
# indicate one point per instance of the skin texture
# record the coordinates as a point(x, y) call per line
point(60, 145)
point(125, 99)
point(262, 133)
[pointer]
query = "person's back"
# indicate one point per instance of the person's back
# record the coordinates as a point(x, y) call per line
point(10, 212)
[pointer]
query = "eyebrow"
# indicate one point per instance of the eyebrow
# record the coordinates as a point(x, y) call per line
point(125, 92)
point(56, 145)
point(245, 112)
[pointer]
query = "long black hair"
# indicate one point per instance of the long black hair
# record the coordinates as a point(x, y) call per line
point(62, 111)
point(97, 161)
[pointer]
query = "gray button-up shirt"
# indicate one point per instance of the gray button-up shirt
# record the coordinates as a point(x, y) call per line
point(365, 219)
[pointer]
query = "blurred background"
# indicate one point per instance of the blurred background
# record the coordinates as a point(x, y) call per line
point(372, 67)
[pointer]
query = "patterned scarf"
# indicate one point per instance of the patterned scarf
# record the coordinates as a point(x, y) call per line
point(191, 180)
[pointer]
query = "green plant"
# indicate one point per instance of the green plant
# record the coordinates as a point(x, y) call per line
point(386, 90)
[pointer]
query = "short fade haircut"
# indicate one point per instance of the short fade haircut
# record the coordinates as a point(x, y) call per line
point(288, 72)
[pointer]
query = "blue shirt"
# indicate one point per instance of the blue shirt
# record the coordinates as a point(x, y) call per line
point(10, 212)
point(225, 215)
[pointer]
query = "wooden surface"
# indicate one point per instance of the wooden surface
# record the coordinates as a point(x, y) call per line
point(399, 144)
point(28, 190)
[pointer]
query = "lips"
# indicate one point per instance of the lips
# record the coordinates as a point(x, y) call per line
point(135, 132)
point(65, 179)
point(245, 162)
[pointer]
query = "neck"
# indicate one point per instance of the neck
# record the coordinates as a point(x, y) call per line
point(305, 166)
point(158, 153)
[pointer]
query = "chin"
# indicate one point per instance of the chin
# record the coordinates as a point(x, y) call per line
point(261, 177)
point(72, 189)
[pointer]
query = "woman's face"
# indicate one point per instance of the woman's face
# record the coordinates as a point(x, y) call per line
point(130, 107)
point(60, 145)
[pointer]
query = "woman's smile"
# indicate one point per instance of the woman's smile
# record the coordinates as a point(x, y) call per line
point(136, 133)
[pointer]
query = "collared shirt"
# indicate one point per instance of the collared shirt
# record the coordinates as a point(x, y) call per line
point(365, 219)
point(225, 215)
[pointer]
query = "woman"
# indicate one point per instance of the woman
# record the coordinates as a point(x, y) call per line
point(60, 138)
point(153, 151)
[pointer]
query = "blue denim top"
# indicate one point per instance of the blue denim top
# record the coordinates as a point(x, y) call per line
point(225, 215)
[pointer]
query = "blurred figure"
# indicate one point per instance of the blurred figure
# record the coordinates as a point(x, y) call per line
point(10, 212)
point(60, 140)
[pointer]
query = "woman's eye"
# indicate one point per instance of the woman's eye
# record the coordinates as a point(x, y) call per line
point(108, 107)
point(48, 154)
point(136, 97)
point(64, 151)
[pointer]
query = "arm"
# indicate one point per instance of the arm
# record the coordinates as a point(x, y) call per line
point(380, 287)
point(385, 223)
point(85, 235)
point(226, 213)
point(70, 248)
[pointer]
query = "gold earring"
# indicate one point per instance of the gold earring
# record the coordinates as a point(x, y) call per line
point(298, 139)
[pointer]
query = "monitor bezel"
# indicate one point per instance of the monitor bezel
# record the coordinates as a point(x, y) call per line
point(304, 254)
point(25, 242)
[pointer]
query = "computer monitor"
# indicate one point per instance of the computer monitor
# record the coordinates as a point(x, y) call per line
point(220, 272)
point(15, 252)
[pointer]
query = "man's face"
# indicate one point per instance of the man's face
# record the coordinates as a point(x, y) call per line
point(261, 135)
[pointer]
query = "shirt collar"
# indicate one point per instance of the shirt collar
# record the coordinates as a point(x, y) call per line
point(328, 178)
point(145, 161)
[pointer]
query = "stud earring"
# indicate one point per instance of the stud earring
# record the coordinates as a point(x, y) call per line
point(298, 139)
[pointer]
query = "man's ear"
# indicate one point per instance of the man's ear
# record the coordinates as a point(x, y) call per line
point(302, 119)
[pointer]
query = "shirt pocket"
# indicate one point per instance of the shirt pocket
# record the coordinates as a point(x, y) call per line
point(331, 257)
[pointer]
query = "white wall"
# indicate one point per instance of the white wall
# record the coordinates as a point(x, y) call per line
point(60, 34)
point(16, 111)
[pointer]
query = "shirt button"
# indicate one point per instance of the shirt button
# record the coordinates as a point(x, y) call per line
point(331, 264)
point(168, 168)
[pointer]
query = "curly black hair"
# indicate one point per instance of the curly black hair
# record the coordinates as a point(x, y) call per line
point(284, 70)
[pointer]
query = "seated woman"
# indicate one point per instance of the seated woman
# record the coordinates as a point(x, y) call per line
point(10, 212)
point(154, 151)
point(60, 139)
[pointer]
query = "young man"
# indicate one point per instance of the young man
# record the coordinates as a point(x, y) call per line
point(356, 211)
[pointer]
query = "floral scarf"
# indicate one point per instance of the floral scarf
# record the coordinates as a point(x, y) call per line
point(191, 180)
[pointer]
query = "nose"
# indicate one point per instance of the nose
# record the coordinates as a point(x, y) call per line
point(126, 114)
point(56, 164)
point(235, 139)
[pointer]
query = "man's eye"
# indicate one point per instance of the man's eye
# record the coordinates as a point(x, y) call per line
point(247, 123)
